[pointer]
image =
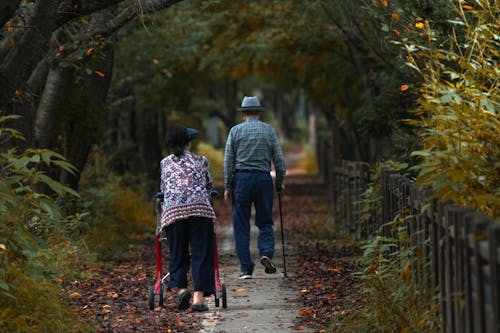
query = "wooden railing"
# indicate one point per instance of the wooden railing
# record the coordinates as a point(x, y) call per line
point(460, 247)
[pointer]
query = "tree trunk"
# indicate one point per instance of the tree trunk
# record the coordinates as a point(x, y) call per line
point(25, 55)
point(49, 105)
point(78, 147)
point(7, 9)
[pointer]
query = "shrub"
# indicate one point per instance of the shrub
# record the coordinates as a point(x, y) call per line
point(32, 241)
point(395, 279)
point(458, 105)
point(116, 213)
point(308, 163)
point(215, 160)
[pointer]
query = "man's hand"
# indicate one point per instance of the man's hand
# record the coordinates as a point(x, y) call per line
point(280, 187)
point(227, 195)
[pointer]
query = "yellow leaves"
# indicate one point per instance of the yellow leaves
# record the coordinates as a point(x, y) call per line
point(419, 25)
point(3, 247)
point(99, 73)
point(89, 51)
point(467, 7)
point(395, 16)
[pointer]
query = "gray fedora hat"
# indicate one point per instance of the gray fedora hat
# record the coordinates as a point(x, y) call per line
point(250, 103)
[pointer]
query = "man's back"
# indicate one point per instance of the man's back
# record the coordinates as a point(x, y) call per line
point(253, 145)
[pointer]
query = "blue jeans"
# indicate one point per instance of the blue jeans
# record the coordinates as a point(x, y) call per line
point(248, 189)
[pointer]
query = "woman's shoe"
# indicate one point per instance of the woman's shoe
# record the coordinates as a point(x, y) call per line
point(199, 307)
point(183, 300)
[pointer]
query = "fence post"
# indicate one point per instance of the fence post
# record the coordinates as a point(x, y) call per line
point(494, 240)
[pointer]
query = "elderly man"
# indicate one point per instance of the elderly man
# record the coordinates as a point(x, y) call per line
point(251, 147)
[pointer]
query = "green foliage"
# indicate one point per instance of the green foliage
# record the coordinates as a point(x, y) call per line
point(332, 51)
point(215, 159)
point(308, 162)
point(117, 208)
point(397, 301)
point(458, 107)
point(370, 205)
point(32, 242)
point(395, 279)
point(116, 215)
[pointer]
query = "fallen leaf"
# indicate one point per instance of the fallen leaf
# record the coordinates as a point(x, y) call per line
point(305, 312)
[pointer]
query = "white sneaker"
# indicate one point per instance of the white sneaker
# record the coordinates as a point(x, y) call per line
point(245, 275)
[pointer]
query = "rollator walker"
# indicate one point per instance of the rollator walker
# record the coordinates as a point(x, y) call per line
point(156, 292)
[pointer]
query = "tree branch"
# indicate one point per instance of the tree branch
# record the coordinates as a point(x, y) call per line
point(131, 12)
point(7, 10)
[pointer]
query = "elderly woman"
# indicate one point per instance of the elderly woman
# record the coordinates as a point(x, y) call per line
point(187, 217)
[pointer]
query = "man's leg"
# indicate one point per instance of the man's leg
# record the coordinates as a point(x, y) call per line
point(241, 209)
point(264, 216)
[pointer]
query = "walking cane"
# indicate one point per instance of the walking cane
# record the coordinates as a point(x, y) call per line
point(282, 234)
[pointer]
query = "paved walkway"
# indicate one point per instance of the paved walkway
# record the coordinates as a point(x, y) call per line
point(265, 303)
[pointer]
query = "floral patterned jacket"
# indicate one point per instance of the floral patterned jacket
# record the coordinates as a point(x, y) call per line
point(185, 182)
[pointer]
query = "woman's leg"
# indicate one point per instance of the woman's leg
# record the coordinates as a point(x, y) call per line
point(202, 257)
point(178, 240)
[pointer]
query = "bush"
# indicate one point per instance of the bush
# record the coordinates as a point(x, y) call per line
point(395, 279)
point(399, 298)
point(32, 243)
point(458, 105)
point(116, 213)
point(308, 163)
point(215, 160)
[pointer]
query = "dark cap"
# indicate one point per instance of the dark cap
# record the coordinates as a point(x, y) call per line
point(192, 133)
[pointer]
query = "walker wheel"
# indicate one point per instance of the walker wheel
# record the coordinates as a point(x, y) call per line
point(151, 299)
point(160, 297)
point(224, 296)
point(216, 299)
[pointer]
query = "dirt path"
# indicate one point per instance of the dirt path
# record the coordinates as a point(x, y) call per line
point(318, 287)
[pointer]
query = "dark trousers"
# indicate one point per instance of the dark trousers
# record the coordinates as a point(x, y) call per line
point(197, 234)
point(256, 189)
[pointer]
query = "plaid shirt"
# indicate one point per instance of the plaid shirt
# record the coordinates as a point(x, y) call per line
point(185, 181)
point(252, 145)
